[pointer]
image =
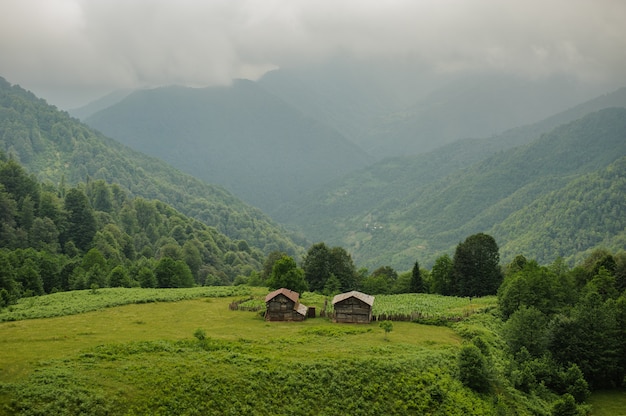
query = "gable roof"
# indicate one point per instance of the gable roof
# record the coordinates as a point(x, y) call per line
point(301, 309)
point(361, 296)
point(290, 294)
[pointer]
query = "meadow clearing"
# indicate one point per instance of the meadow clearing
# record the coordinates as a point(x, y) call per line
point(184, 351)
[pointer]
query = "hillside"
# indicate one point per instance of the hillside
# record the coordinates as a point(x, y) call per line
point(416, 207)
point(366, 188)
point(60, 150)
point(240, 137)
point(587, 212)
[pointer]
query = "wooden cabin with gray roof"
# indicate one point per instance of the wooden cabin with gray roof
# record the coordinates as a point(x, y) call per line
point(284, 305)
point(353, 307)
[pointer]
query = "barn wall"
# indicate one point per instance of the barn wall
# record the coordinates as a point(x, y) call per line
point(281, 308)
point(352, 310)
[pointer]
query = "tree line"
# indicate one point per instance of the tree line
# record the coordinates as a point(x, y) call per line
point(58, 238)
point(473, 271)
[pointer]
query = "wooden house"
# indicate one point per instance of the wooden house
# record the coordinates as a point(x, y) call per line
point(353, 307)
point(284, 305)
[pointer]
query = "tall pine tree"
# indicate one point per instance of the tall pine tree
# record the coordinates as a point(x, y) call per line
point(417, 283)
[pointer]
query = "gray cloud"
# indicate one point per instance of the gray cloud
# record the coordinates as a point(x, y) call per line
point(89, 46)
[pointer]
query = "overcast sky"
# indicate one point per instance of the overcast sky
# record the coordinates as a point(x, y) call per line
point(71, 51)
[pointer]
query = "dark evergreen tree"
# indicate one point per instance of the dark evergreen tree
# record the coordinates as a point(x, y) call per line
point(417, 284)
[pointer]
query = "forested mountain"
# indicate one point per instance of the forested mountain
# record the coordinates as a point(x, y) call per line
point(588, 212)
point(432, 112)
point(240, 137)
point(411, 208)
point(100, 104)
point(61, 151)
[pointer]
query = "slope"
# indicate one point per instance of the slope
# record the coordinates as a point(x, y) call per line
point(240, 137)
point(399, 210)
point(357, 194)
point(59, 149)
point(587, 212)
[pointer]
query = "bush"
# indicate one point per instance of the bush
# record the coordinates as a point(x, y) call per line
point(473, 369)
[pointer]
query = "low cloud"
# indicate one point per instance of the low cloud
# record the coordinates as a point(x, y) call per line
point(74, 45)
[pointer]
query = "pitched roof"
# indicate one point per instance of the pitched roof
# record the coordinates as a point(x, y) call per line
point(301, 309)
point(361, 296)
point(290, 294)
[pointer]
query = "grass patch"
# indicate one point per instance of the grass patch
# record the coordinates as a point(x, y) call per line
point(608, 403)
point(196, 356)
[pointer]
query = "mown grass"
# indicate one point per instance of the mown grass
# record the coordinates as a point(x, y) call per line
point(608, 403)
point(26, 342)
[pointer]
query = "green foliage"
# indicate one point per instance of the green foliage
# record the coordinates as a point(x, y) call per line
point(534, 286)
point(558, 196)
point(321, 262)
point(286, 274)
point(424, 306)
point(387, 326)
point(442, 275)
point(59, 150)
point(473, 369)
point(527, 328)
point(115, 247)
point(566, 406)
point(200, 334)
point(476, 268)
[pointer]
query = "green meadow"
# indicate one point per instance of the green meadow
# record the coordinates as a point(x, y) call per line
point(184, 352)
point(195, 356)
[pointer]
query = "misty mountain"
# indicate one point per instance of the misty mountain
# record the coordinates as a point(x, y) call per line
point(100, 104)
point(409, 208)
point(433, 111)
point(240, 137)
point(364, 189)
point(60, 150)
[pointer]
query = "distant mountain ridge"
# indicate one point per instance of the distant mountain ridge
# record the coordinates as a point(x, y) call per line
point(443, 109)
point(241, 137)
point(409, 208)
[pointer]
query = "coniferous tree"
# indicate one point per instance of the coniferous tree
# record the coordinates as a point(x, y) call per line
point(417, 283)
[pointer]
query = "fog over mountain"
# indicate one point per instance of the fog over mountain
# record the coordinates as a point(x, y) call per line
point(73, 51)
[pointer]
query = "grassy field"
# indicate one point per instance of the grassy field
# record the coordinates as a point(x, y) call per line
point(26, 342)
point(143, 358)
point(608, 403)
point(184, 352)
